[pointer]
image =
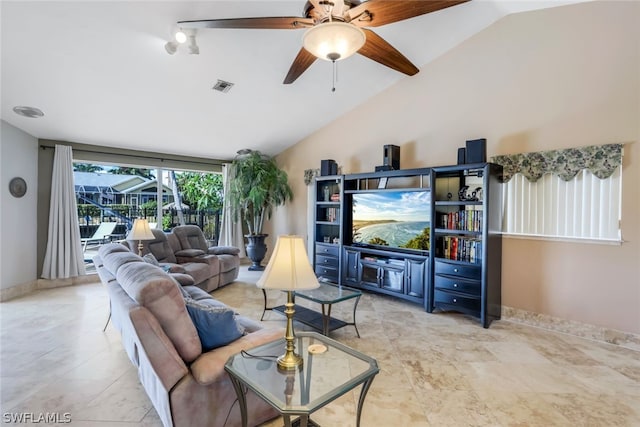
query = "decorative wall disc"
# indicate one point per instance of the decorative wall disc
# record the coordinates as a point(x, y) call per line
point(17, 187)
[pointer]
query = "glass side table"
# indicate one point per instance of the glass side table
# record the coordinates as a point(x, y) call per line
point(326, 295)
point(330, 369)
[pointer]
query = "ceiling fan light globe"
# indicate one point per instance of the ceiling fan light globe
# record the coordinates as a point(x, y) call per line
point(333, 41)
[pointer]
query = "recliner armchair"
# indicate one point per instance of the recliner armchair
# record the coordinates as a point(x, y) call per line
point(191, 237)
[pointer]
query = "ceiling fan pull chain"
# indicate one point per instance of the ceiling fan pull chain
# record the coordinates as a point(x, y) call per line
point(335, 75)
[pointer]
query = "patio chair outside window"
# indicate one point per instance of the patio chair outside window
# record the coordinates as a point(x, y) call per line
point(105, 229)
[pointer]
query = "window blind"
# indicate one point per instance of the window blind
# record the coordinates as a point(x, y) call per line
point(585, 207)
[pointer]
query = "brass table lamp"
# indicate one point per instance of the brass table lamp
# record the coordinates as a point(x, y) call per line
point(289, 270)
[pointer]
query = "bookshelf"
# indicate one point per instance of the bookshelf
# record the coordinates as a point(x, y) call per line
point(466, 240)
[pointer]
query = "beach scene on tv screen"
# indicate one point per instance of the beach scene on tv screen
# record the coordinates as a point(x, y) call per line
point(392, 218)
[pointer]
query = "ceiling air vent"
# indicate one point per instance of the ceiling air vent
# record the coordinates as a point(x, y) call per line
point(222, 86)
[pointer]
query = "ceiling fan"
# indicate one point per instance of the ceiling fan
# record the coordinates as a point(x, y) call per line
point(337, 29)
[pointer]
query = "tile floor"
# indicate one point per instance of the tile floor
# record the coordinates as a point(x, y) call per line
point(436, 369)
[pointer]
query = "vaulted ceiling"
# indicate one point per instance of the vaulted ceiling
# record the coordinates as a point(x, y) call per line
point(100, 73)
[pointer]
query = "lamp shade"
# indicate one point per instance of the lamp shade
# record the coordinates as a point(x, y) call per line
point(140, 230)
point(333, 41)
point(289, 267)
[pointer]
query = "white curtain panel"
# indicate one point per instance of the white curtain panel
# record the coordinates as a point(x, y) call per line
point(230, 231)
point(64, 257)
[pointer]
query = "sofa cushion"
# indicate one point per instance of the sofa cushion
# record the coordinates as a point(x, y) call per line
point(170, 267)
point(248, 324)
point(189, 252)
point(114, 260)
point(103, 250)
point(153, 289)
point(220, 250)
point(183, 279)
point(159, 246)
point(228, 262)
point(151, 259)
point(173, 241)
point(210, 302)
point(195, 293)
point(201, 271)
point(190, 237)
point(216, 326)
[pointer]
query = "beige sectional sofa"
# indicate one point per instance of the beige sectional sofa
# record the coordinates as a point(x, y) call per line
point(188, 387)
point(210, 270)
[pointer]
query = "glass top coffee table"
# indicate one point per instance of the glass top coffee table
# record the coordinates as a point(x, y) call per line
point(330, 369)
point(326, 295)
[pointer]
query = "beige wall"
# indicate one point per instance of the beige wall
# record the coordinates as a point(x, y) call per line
point(556, 78)
point(18, 158)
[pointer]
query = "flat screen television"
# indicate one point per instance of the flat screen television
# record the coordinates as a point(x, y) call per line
point(392, 219)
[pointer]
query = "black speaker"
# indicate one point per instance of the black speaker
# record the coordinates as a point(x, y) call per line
point(476, 151)
point(328, 167)
point(392, 156)
point(461, 156)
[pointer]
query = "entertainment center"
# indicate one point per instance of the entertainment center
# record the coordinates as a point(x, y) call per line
point(428, 235)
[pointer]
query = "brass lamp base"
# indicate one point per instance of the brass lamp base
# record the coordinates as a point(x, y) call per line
point(290, 360)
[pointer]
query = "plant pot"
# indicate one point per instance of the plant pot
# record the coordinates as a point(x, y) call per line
point(256, 250)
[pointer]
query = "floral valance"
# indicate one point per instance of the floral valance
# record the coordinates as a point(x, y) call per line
point(601, 160)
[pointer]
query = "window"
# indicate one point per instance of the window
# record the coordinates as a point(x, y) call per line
point(564, 194)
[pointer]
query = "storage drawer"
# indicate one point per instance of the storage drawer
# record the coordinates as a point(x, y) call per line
point(458, 284)
point(455, 301)
point(451, 269)
point(329, 250)
point(326, 261)
point(327, 272)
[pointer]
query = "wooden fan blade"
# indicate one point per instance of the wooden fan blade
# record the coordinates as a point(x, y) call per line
point(379, 50)
point(317, 5)
point(269, 23)
point(338, 8)
point(299, 66)
point(374, 13)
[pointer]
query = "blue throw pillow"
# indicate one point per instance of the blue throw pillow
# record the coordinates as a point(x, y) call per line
point(216, 326)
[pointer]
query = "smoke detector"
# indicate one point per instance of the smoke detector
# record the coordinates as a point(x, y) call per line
point(31, 112)
point(222, 86)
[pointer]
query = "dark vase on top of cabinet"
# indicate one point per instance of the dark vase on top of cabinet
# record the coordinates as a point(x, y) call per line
point(466, 241)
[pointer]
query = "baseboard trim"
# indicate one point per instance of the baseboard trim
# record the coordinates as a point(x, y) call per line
point(23, 289)
point(583, 330)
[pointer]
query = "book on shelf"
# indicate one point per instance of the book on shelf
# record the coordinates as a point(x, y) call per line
point(331, 214)
point(468, 249)
point(469, 219)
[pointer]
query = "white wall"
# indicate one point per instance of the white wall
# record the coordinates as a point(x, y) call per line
point(18, 157)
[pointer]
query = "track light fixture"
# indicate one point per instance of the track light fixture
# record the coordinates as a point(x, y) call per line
point(193, 46)
point(180, 37)
point(171, 47)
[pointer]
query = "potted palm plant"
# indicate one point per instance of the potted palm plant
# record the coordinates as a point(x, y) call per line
point(256, 185)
